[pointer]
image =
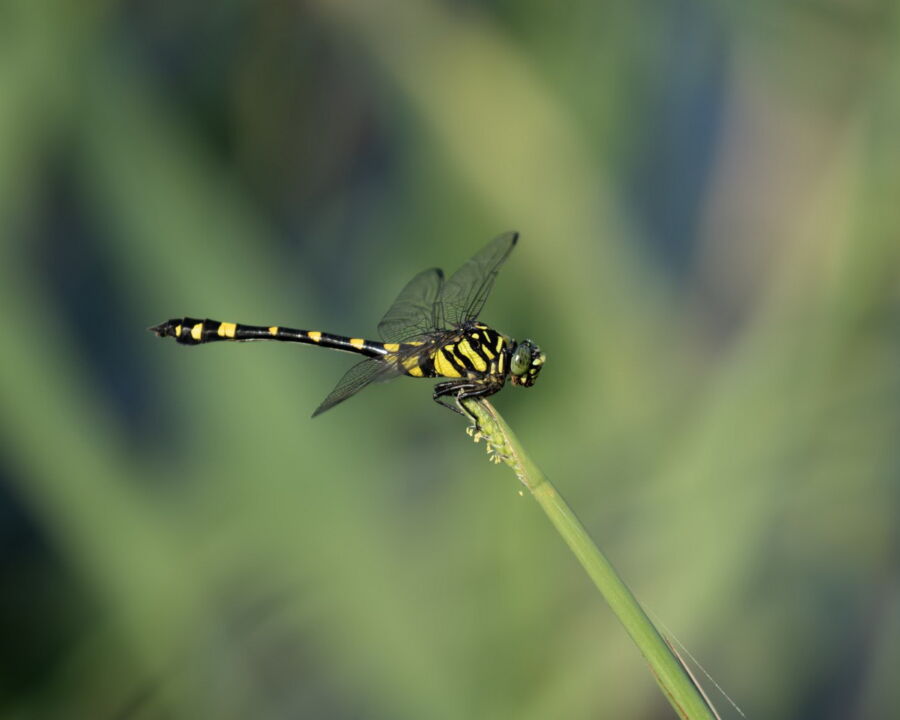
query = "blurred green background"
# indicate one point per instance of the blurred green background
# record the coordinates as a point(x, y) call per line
point(710, 256)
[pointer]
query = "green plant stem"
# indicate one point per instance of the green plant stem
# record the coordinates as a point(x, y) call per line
point(670, 674)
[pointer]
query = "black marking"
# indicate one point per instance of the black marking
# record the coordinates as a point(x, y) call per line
point(453, 357)
point(465, 361)
point(426, 362)
point(479, 351)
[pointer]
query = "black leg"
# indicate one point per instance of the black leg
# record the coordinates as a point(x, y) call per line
point(451, 394)
point(447, 394)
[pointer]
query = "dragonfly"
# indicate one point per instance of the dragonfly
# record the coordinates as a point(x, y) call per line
point(431, 330)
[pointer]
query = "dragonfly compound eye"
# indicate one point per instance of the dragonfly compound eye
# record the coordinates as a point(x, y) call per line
point(526, 363)
point(521, 359)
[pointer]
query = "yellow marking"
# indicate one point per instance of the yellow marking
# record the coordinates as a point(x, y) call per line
point(442, 366)
point(501, 360)
point(357, 343)
point(538, 360)
point(178, 331)
point(489, 354)
point(197, 331)
point(314, 335)
point(273, 330)
point(499, 345)
point(476, 335)
point(416, 342)
point(392, 347)
point(226, 329)
point(463, 348)
point(412, 367)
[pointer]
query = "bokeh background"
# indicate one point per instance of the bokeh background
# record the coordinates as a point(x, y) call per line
point(709, 201)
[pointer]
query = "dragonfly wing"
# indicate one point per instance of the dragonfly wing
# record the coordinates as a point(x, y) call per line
point(355, 379)
point(464, 294)
point(412, 313)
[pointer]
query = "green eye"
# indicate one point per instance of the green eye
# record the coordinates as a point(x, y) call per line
point(521, 359)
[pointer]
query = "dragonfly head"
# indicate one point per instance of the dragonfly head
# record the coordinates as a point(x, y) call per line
point(527, 361)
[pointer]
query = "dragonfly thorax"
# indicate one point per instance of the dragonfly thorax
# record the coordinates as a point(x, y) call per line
point(473, 351)
point(476, 352)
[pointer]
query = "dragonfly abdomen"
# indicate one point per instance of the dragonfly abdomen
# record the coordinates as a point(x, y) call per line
point(191, 331)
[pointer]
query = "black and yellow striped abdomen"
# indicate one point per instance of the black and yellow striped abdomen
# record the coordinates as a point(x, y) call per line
point(191, 331)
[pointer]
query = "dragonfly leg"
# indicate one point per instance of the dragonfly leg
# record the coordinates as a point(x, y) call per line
point(451, 394)
point(447, 394)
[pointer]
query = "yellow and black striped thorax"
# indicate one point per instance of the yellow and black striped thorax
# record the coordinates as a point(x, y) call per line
point(474, 352)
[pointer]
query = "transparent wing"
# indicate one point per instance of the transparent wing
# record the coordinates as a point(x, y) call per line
point(412, 313)
point(355, 379)
point(464, 294)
